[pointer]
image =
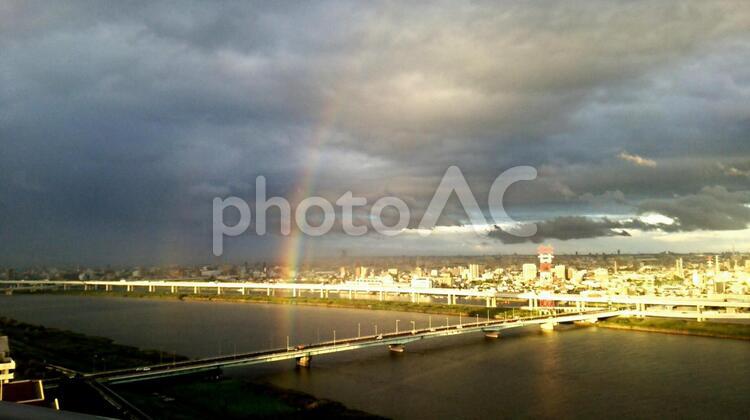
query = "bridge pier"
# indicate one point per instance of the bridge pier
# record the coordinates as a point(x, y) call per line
point(351, 294)
point(195, 290)
point(700, 317)
point(532, 304)
point(129, 288)
point(85, 287)
point(150, 288)
point(218, 290)
point(548, 326)
point(242, 291)
point(397, 348)
point(172, 289)
point(490, 302)
point(108, 288)
point(268, 291)
point(380, 295)
point(294, 292)
point(304, 361)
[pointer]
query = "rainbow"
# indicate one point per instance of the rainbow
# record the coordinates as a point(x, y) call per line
point(292, 247)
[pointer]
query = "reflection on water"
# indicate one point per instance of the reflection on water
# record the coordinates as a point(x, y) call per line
point(582, 372)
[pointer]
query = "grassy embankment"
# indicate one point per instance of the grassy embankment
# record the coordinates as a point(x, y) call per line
point(426, 308)
point(679, 326)
point(231, 399)
point(33, 346)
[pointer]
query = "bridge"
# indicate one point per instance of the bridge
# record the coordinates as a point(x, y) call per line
point(738, 306)
point(303, 354)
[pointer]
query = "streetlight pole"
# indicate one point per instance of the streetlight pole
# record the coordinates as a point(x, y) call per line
point(334, 337)
point(359, 329)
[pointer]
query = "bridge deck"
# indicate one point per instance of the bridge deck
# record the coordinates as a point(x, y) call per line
point(349, 344)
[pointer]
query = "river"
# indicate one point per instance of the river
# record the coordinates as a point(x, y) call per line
point(574, 372)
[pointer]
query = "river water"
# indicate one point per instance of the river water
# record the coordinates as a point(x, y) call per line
point(574, 372)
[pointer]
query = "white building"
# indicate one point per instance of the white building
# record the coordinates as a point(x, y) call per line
point(421, 283)
point(560, 272)
point(7, 365)
point(529, 273)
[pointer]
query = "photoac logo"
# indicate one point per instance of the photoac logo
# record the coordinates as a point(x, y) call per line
point(453, 181)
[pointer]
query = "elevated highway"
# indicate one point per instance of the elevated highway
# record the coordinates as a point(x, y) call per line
point(351, 290)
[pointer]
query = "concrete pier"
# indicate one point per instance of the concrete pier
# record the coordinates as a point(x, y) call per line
point(397, 348)
point(548, 326)
point(304, 361)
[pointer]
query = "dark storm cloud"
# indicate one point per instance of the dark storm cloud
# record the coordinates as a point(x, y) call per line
point(120, 121)
point(564, 228)
point(711, 209)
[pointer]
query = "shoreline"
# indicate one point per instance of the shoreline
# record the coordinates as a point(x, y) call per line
point(679, 327)
point(339, 303)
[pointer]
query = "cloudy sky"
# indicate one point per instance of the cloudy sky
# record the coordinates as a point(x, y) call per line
point(121, 121)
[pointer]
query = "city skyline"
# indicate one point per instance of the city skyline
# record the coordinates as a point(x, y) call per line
point(121, 124)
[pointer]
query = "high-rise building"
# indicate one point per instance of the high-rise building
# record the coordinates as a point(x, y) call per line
point(559, 272)
point(475, 271)
point(717, 265)
point(529, 273)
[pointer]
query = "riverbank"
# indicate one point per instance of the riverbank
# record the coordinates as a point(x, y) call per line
point(33, 347)
point(425, 308)
point(679, 326)
point(232, 399)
